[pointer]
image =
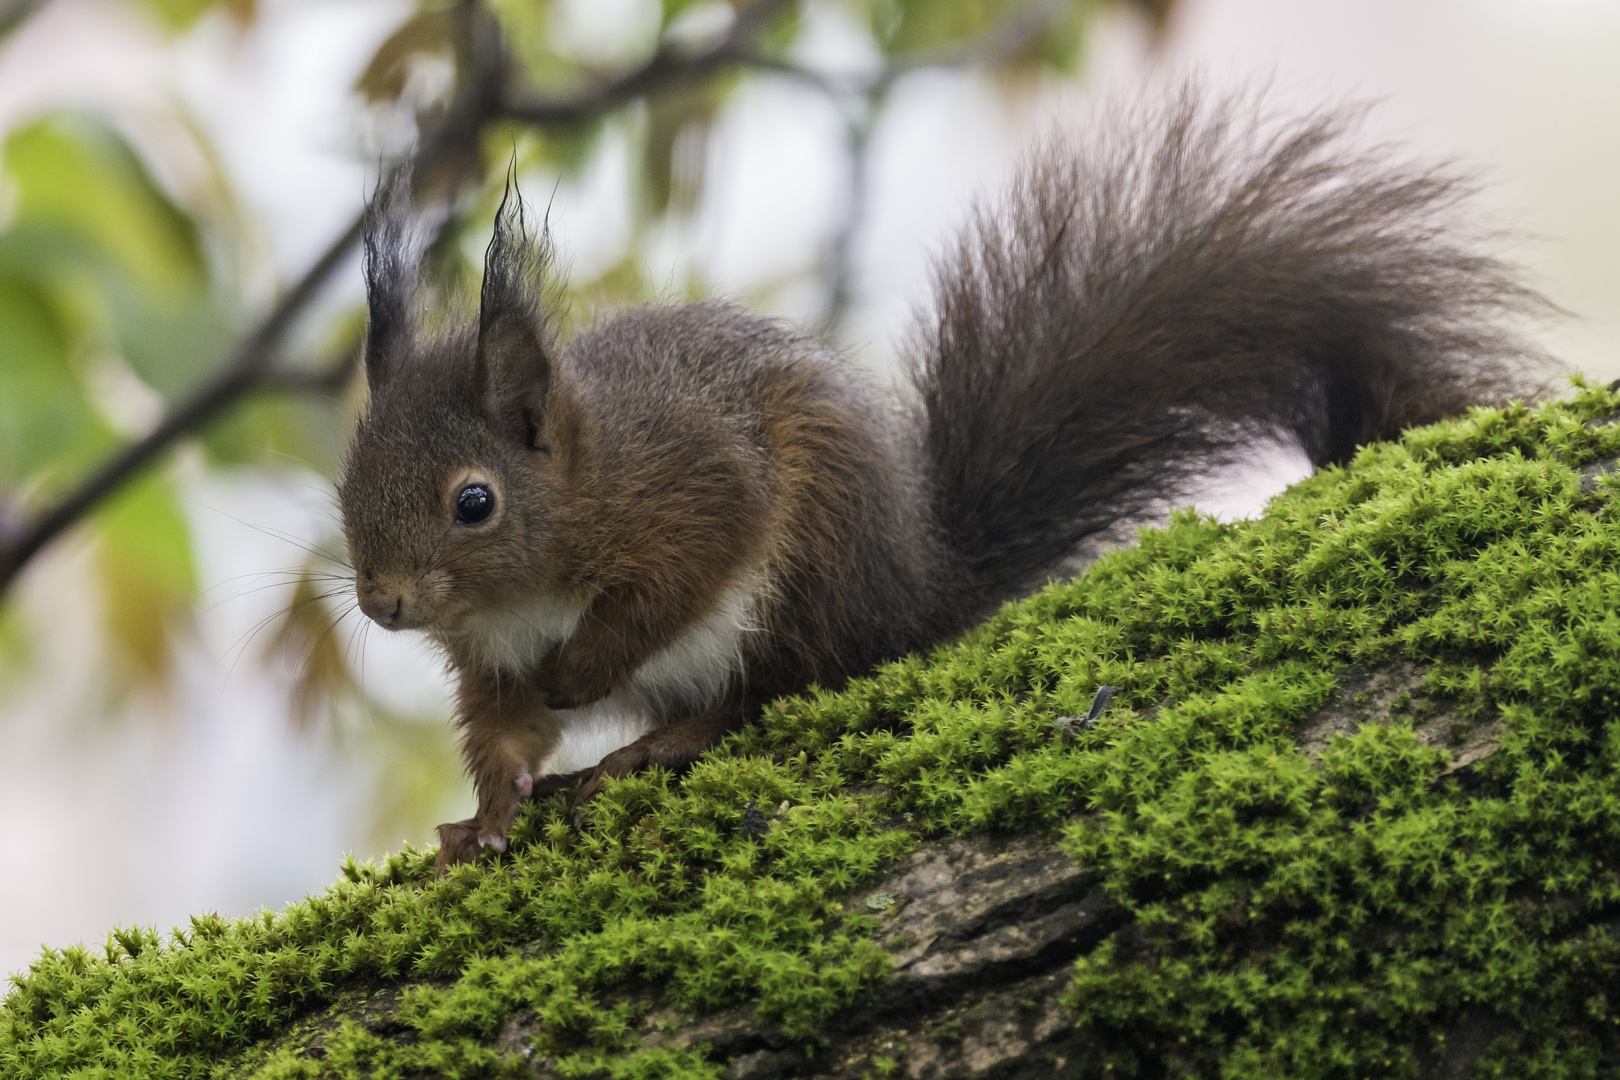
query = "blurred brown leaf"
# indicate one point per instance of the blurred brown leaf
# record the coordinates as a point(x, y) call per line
point(675, 152)
point(429, 32)
point(305, 637)
point(147, 578)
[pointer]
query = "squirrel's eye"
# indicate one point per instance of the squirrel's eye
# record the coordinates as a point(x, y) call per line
point(475, 503)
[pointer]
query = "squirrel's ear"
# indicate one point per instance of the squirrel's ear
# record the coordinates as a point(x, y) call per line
point(513, 368)
point(390, 271)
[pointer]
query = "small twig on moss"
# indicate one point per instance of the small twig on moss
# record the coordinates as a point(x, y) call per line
point(1069, 725)
point(754, 823)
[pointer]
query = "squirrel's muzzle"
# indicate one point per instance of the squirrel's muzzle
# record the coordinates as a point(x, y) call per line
point(388, 602)
point(382, 611)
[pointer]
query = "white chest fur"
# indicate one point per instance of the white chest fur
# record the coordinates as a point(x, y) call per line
point(687, 676)
point(512, 640)
point(691, 672)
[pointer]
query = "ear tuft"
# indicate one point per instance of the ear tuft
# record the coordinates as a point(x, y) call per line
point(390, 273)
point(513, 367)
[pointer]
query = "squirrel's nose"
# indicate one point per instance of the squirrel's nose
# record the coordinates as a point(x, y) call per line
point(382, 608)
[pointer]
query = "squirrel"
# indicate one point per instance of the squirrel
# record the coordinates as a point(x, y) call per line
point(688, 510)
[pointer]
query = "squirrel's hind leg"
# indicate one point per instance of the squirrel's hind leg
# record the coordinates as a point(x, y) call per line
point(673, 746)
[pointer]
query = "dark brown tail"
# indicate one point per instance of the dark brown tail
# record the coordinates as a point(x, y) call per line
point(1190, 282)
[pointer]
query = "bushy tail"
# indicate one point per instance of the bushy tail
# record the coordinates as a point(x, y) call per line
point(1190, 282)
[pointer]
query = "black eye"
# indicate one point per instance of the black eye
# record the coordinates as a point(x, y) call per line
point(475, 503)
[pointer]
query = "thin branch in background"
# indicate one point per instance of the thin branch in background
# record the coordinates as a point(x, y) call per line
point(13, 13)
point(450, 145)
point(840, 260)
point(240, 374)
point(670, 67)
point(861, 99)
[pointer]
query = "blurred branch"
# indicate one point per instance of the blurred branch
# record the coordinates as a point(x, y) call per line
point(328, 380)
point(669, 67)
point(840, 261)
point(865, 95)
point(241, 373)
point(1006, 39)
point(452, 143)
point(13, 13)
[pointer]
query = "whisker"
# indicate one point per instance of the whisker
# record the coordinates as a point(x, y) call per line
point(291, 579)
point(366, 702)
point(284, 537)
point(241, 644)
point(294, 457)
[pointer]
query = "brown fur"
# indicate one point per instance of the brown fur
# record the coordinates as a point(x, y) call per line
point(698, 509)
point(506, 731)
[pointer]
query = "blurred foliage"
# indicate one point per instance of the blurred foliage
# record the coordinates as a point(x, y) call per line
point(119, 294)
point(306, 639)
point(144, 555)
point(104, 285)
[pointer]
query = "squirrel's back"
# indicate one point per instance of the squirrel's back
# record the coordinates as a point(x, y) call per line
point(694, 403)
point(1186, 283)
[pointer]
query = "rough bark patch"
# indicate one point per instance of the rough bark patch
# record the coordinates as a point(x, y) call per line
point(1396, 693)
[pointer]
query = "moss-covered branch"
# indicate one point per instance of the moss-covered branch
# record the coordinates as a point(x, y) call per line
point(1263, 860)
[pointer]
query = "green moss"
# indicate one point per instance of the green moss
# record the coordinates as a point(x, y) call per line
point(1291, 917)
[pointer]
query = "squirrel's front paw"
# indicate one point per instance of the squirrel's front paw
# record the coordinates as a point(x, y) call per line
point(567, 685)
point(465, 842)
point(563, 692)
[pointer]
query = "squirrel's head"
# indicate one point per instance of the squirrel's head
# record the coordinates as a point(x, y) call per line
point(460, 471)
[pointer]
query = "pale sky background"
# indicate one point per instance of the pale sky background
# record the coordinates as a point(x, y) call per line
point(206, 799)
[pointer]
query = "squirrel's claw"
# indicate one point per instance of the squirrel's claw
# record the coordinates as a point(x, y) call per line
point(461, 842)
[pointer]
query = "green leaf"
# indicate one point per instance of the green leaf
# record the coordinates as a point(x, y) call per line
point(430, 32)
point(75, 176)
point(90, 220)
point(170, 345)
point(148, 579)
point(904, 26)
point(44, 416)
point(181, 14)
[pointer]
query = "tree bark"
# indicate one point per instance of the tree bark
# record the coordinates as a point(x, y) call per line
point(984, 930)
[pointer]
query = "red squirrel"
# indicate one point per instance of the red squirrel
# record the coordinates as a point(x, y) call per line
point(687, 510)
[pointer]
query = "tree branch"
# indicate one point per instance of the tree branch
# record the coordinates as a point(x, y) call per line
point(236, 377)
point(481, 98)
point(13, 13)
point(668, 67)
point(1012, 34)
point(1007, 38)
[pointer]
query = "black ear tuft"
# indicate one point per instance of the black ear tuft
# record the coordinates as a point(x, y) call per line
point(513, 367)
point(390, 271)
